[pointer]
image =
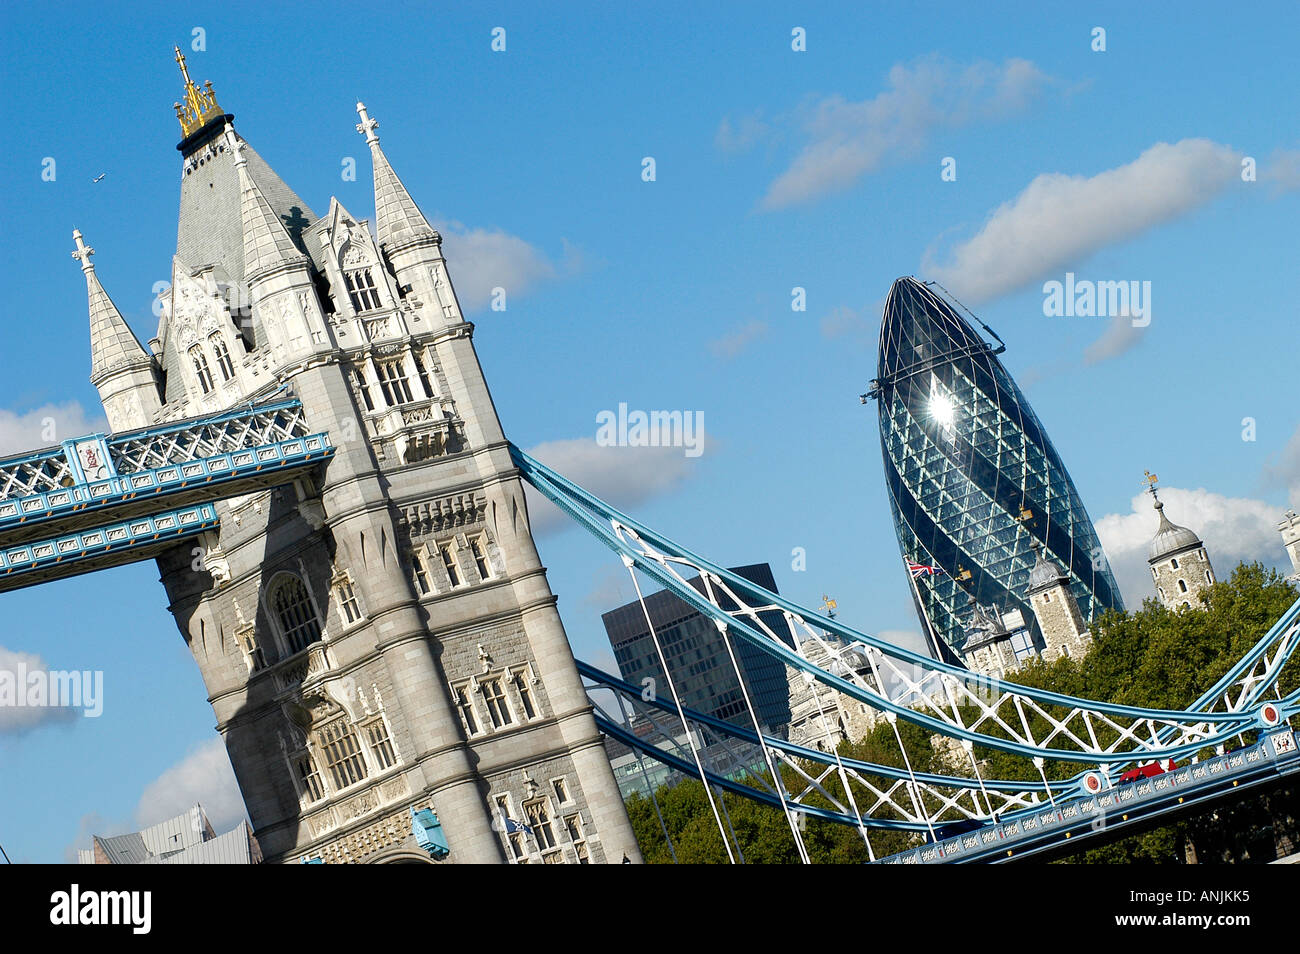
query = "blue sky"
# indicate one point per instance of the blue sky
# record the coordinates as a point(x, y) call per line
point(775, 169)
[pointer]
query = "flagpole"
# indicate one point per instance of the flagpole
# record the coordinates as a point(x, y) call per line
point(920, 605)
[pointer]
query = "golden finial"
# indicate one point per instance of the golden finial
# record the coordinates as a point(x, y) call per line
point(180, 59)
point(200, 105)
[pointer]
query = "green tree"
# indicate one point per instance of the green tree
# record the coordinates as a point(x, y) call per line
point(1150, 657)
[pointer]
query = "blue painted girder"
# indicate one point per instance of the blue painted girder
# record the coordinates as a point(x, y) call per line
point(98, 548)
point(118, 497)
point(1223, 778)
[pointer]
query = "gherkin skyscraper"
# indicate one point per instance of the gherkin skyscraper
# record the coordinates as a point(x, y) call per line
point(973, 478)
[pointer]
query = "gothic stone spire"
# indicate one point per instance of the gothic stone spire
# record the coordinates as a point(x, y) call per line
point(266, 243)
point(112, 343)
point(397, 218)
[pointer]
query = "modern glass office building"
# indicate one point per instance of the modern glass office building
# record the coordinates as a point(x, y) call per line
point(972, 477)
point(701, 667)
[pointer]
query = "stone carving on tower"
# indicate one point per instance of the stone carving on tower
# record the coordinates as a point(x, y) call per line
point(379, 642)
point(1180, 567)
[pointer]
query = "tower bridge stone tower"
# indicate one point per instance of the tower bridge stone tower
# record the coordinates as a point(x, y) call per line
point(379, 644)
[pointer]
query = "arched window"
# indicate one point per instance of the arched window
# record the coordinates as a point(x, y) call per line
point(1209, 579)
point(1174, 563)
point(1182, 586)
point(361, 289)
point(295, 614)
point(201, 369)
point(224, 364)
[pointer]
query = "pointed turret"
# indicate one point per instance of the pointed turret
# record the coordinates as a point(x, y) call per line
point(120, 368)
point(397, 218)
point(266, 243)
point(278, 276)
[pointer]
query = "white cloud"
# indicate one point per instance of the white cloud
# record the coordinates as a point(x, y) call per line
point(1282, 170)
point(1234, 529)
point(613, 588)
point(1284, 470)
point(621, 476)
point(850, 139)
point(22, 718)
point(46, 425)
point(1058, 219)
point(733, 343)
point(203, 776)
point(1120, 336)
point(483, 259)
point(742, 134)
point(853, 323)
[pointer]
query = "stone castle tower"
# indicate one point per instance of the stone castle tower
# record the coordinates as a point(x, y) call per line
point(1059, 620)
point(1179, 564)
point(988, 648)
point(820, 717)
point(1290, 530)
point(380, 646)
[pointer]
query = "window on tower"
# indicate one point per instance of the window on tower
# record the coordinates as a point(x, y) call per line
point(296, 614)
point(478, 548)
point(494, 698)
point(380, 744)
point(359, 379)
point(423, 372)
point(420, 572)
point(361, 290)
point(449, 562)
point(465, 706)
point(343, 758)
point(519, 679)
point(224, 364)
point(201, 369)
point(313, 789)
point(347, 597)
point(393, 382)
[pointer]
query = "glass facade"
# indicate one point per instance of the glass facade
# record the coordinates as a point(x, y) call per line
point(972, 478)
point(698, 659)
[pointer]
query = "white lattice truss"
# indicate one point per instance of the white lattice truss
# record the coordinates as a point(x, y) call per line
point(34, 475)
point(49, 470)
point(256, 428)
point(869, 794)
point(1075, 730)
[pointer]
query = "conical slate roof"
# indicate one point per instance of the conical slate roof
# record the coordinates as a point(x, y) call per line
point(266, 243)
point(211, 225)
point(397, 218)
point(1170, 539)
point(112, 343)
point(1046, 572)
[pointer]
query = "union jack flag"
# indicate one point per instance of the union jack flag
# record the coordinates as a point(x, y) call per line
point(922, 569)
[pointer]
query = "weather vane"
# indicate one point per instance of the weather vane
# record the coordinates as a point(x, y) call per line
point(1150, 481)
